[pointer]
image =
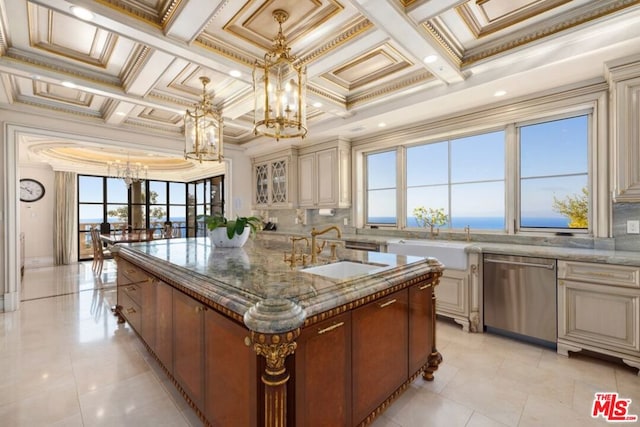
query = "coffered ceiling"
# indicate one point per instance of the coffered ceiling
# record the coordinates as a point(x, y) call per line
point(136, 63)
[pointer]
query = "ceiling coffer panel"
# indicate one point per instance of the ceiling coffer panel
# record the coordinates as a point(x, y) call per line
point(58, 93)
point(69, 37)
point(156, 12)
point(484, 17)
point(254, 23)
point(379, 64)
point(160, 116)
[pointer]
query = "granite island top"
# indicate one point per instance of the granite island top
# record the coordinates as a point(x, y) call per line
point(240, 278)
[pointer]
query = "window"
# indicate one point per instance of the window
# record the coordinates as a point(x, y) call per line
point(381, 188)
point(464, 177)
point(107, 200)
point(554, 170)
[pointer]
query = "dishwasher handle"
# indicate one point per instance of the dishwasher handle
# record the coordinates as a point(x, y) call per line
point(524, 264)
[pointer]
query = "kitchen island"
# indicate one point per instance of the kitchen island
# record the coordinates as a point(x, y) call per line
point(249, 339)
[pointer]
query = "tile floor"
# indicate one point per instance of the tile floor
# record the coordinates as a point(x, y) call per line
point(66, 362)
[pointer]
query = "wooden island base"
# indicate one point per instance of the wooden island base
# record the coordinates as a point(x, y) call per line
point(342, 367)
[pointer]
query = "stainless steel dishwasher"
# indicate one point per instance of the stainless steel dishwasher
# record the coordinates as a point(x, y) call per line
point(520, 297)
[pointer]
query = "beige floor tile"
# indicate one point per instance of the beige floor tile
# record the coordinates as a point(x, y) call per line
point(479, 420)
point(539, 411)
point(49, 406)
point(421, 408)
point(580, 367)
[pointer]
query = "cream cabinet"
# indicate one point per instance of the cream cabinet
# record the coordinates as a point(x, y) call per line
point(324, 176)
point(459, 295)
point(275, 179)
point(599, 309)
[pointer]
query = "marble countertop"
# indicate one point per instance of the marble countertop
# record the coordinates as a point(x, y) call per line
point(606, 256)
point(240, 278)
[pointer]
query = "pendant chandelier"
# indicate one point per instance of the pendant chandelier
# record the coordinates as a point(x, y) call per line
point(129, 172)
point(280, 91)
point(203, 130)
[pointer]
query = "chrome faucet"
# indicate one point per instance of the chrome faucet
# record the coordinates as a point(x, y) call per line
point(315, 249)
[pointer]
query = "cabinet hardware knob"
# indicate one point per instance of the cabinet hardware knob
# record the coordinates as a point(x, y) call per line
point(247, 341)
point(330, 328)
point(131, 288)
point(131, 310)
point(386, 304)
point(423, 287)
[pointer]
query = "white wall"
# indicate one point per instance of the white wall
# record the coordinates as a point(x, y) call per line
point(37, 218)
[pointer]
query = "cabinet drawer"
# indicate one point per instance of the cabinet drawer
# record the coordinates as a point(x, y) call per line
point(605, 274)
point(133, 291)
point(130, 310)
point(131, 273)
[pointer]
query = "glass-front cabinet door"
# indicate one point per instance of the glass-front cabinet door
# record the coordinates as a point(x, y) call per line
point(279, 182)
point(274, 179)
point(262, 184)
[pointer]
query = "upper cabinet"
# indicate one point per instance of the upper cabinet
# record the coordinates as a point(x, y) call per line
point(624, 85)
point(275, 179)
point(324, 175)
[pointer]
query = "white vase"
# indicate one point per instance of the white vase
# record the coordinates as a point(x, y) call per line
point(219, 238)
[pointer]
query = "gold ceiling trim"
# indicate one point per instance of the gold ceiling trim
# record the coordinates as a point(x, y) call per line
point(331, 97)
point(359, 27)
point(144, 124)
point(135, 66)
point(516, 17)
point(161, 96)
point(579, 19)
point(138, 13)
point(218, 47)
point(57, 108)
point(171, 11)
point(4, 45)
point(407, 3)
point(414, 79)
point(17, 55)
point(172, 118)
point(436, 29)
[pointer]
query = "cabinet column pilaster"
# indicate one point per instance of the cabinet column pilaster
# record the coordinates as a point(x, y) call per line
point(274, 324)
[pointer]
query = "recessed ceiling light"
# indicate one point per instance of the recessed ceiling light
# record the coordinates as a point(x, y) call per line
point(69, 84)
point(317, 104)
point(82, 13)
point(235, 73)
point(429, 59)
point(381, 124)
point(120, 113)
point(500, 93)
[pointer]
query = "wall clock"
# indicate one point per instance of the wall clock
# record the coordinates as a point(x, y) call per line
point(31, 190)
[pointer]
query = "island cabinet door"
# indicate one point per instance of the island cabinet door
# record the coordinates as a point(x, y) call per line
point(420, 325)
point(164, 325)
point(188, 341)
point(323, 374)
point(380, 345)
point(230, 373)
point(148, 327)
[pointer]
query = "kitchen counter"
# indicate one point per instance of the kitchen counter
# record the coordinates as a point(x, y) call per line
point(206, 312)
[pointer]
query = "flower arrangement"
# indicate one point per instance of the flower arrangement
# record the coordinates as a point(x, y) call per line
point(430, 218)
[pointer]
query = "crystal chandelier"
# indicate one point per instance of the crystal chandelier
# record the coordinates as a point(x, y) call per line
point(203, 130)
point(129, 172)
point(280, 91)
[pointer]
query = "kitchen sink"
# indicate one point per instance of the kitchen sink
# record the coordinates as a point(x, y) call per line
point(451, 254)
point(344, 269)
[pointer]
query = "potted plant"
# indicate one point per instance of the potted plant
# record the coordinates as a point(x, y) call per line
point(430, 218)
point(231, 233)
